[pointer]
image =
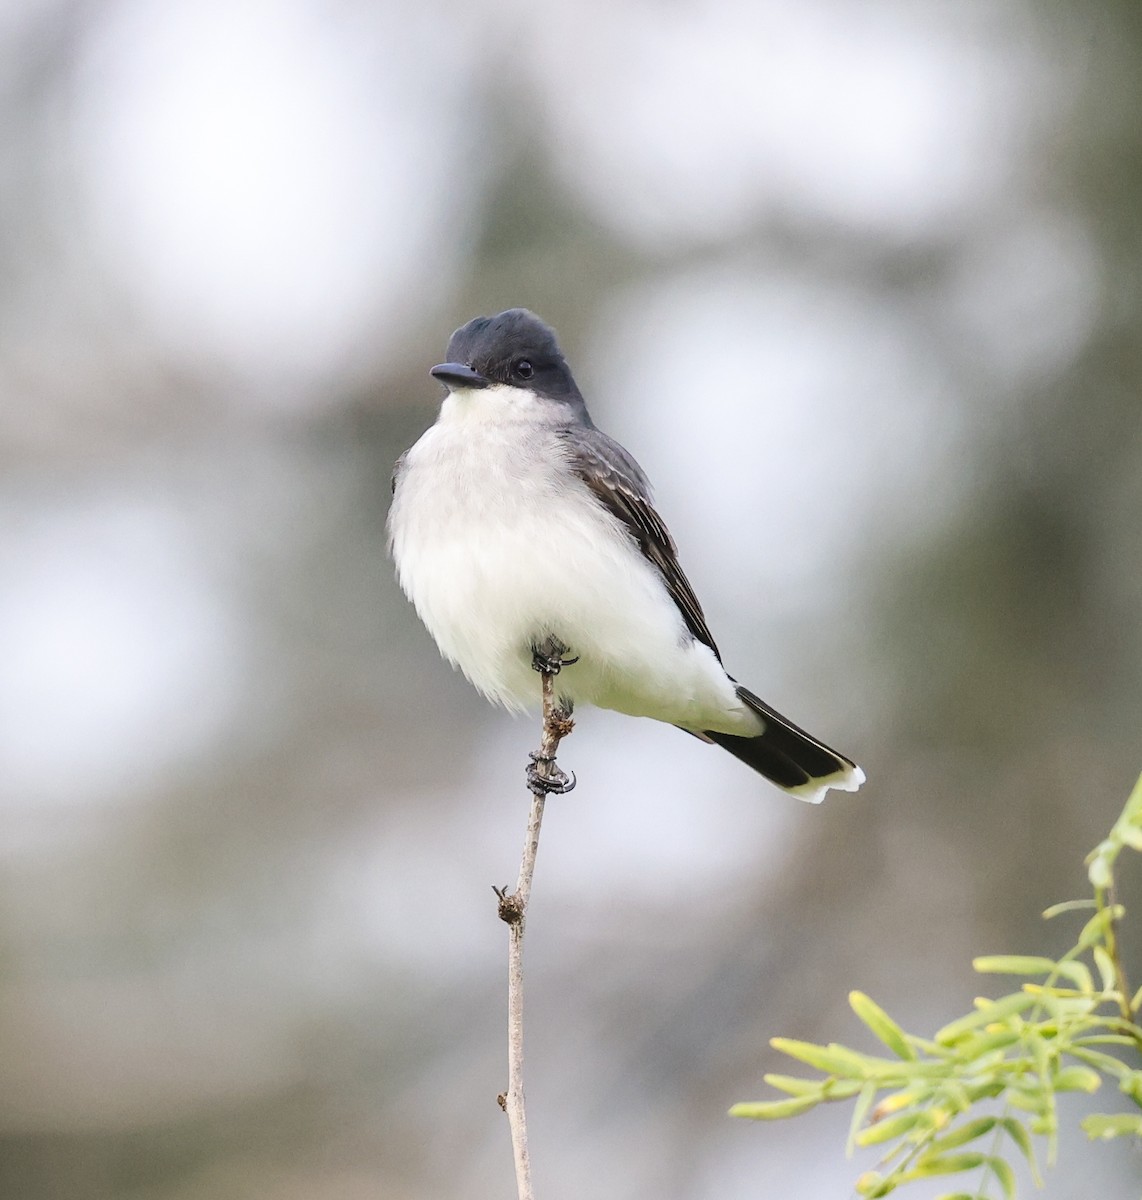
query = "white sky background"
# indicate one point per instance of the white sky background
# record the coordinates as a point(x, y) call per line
point(692, 119)
point(274, 181)
point(119, 654)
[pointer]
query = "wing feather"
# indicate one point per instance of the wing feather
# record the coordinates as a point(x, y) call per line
point(623, 489)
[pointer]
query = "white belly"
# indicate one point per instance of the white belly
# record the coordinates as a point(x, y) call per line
point(491, 575)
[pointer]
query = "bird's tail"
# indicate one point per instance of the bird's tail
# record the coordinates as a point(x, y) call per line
point(788, 756)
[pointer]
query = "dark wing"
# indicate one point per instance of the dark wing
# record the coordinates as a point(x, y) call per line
point(622, 488)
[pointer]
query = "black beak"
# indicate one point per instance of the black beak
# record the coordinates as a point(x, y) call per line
point(457, 375)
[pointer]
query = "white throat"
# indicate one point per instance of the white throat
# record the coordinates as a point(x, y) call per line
point(496, 404)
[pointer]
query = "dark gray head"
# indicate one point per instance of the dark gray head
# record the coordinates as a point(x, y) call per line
point(514, 348)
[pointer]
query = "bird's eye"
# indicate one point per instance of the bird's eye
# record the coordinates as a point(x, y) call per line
point(523, 369)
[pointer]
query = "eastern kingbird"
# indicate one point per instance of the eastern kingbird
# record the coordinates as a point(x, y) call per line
point(516, 523)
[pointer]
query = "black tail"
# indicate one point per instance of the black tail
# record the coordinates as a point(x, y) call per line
point(788, 756)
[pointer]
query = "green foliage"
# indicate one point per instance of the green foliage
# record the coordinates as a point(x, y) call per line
point(1073, 1024)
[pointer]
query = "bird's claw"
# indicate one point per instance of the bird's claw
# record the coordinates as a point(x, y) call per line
point(544, 778)
point(548, 659)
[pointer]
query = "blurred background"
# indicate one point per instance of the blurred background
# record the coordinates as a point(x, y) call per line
point(250, 821)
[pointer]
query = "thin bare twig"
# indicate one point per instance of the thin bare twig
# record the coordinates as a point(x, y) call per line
point(557, 724)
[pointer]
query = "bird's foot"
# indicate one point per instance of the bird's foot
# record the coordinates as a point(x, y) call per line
point(544, 778)
point(548, 658)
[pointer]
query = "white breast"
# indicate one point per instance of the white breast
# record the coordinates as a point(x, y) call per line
point(497, 551)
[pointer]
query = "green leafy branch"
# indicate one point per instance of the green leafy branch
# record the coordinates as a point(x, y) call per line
point(1073, 1024)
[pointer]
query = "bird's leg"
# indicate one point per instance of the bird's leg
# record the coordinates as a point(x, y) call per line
point(547, 656)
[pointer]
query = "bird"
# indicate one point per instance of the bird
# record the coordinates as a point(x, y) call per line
point(527, 540)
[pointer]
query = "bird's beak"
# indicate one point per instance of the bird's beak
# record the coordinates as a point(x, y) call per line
point(455, 376)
